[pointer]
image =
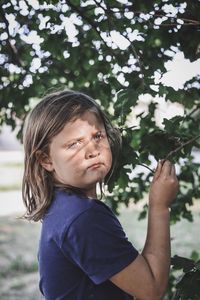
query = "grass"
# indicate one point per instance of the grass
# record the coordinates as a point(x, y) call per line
point(18, 266)
point(10, 187)
point(12, 164)
point(12, 179)
point(18, 259)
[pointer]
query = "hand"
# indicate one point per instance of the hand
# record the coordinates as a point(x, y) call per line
point(164, 186)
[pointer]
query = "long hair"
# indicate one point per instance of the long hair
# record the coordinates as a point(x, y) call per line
point(44, 122)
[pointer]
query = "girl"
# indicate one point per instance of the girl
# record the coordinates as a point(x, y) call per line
point(70, 147)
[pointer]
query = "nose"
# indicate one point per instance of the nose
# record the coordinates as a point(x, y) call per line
point(92, 150)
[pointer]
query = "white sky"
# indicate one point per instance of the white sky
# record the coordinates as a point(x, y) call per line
point(180, 70)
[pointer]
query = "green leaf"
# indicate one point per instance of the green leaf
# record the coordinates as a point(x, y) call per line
point(179, 262)
point(197, 265)
point(126, 100)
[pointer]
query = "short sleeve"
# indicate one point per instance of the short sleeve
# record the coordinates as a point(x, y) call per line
point(96, 242)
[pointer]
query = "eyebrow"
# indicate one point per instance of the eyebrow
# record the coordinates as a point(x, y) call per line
point(82, 137)
point(67, 143)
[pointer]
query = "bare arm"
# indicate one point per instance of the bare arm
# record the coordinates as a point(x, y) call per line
point(147, 276)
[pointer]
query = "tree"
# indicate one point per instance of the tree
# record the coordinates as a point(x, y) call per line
point(114, 51)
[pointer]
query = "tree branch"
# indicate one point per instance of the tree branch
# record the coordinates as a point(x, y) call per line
point(121, 129)
point(145, 166)
point(79, 11)
point(92, 23)
point(172, 152)
point(109, 20)
point(187, 22)
point(194, 110)
point(181, 146)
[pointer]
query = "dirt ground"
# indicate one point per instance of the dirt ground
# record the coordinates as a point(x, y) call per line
point(18, 259)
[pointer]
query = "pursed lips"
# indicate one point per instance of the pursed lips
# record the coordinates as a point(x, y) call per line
point(95, 165)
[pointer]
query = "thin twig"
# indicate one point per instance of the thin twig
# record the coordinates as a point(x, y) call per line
point(175, 24)
point(80, 12)
point(172, 152)
point(182, 146)
point(130, 8)
point(145, 166)
point(195, 22)
point(187, 22)
point(132, 47)
point(195, 109)
point(92, 23)
point(121, 129)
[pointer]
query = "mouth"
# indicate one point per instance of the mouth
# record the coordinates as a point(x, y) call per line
point(95, 166)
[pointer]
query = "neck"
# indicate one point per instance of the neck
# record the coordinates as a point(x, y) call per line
point(91, 192)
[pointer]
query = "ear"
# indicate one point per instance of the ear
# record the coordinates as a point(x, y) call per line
point(45, 161)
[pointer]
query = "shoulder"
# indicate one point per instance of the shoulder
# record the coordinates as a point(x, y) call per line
point(74, 205)
point(97, 219)
point(64, 209)
point(67, 206)
point(67, 209)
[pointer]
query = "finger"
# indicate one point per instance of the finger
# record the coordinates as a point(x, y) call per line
point(173, 171)
point(158, 170)
point(162, 161)
point(166, 168)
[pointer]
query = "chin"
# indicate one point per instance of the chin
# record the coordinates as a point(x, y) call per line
point(95, 181)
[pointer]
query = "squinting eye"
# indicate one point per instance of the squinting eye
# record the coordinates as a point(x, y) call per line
point(99, 136)
point(74, 145)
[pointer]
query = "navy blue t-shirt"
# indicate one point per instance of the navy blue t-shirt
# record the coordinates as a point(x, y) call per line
point(82, 245)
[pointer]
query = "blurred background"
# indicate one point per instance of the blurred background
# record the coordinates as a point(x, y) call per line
point(18, 238)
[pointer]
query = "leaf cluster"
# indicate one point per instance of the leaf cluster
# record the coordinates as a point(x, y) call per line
point(187, 287)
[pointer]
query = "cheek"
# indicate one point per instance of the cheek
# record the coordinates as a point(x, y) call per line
point(109, 157)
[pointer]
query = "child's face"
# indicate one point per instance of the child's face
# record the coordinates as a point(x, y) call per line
point(80, 154)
